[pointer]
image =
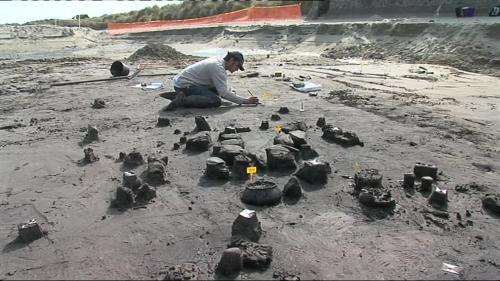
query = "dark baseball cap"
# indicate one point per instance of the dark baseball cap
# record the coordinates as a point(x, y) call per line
point(237, 56)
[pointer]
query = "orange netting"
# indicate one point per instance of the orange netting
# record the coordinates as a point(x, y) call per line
point(245, 16)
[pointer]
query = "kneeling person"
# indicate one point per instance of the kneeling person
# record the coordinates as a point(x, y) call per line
point(203, 84)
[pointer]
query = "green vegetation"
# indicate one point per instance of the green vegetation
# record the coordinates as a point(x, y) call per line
point(82, 16)
point(186, 10)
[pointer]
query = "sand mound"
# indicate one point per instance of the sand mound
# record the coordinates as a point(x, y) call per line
point(471, 47)
point(158, 51)
point(33, 32)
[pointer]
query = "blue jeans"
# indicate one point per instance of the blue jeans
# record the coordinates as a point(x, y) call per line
point(199, 97)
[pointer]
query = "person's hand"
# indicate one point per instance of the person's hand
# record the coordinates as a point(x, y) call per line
point(252, 100)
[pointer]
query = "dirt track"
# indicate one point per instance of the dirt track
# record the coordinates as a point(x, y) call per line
point(448, 118)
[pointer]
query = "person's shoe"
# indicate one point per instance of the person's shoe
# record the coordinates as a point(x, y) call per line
point(177, 102)
point(168, 95)
point(172, 106)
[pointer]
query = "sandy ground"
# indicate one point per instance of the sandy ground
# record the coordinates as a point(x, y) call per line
point(449, 118)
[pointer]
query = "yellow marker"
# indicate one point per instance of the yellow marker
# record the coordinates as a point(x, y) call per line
point(265, 96)
point(251, 170)
point(278, 128)
point(357, 168)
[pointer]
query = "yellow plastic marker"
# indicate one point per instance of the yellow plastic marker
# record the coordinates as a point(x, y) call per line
point(265, 96)
point(251, 171)
point(357, 168)
point(278, 128)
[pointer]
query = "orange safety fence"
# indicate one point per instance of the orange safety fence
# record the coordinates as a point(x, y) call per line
point(246, 16)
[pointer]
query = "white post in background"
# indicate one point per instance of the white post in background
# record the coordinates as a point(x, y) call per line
point(438, 9)
point(78, 20)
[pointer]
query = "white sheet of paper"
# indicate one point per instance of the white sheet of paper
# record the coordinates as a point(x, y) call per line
point(451, 268)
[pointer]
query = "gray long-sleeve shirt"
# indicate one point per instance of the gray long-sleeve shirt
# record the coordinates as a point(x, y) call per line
point(209, 73)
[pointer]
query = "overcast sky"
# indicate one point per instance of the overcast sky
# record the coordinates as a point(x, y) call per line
point(23, 11)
